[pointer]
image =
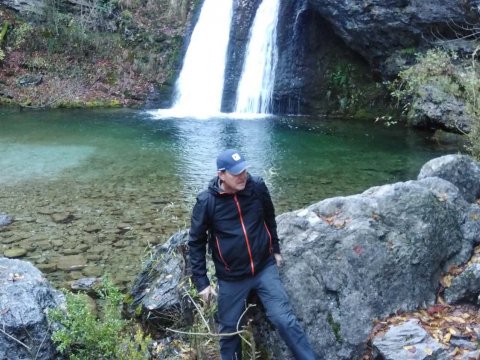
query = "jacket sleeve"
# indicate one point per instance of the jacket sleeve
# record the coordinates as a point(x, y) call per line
point(198, 242)
point(269, 213)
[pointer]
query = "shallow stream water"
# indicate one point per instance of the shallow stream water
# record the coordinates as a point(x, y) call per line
point(92, 191)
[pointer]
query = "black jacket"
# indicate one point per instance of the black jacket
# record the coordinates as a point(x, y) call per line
point(244, 232)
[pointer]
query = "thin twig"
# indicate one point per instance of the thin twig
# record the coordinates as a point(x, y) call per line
point(240, 319)
point(205, 334)
point(41, 344)
point(199, 311)
point(15, 339)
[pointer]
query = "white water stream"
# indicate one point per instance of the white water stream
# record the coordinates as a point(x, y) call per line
point(254, 94)
point(199, 87)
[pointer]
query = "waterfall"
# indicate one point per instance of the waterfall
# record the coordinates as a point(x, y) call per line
point(254, 94)
point(199, 87)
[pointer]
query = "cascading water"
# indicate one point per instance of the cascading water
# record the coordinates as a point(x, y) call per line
point(254, 94)
point(199, 87)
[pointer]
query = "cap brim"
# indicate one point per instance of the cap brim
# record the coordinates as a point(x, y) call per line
point(238, 168)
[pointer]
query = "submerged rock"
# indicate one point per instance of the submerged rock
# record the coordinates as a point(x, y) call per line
point(5, 220)
point(15, 252)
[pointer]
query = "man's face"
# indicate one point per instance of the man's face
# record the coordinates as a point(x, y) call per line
point(233, 183)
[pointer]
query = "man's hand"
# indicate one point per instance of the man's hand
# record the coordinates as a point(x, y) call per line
point(208, 294)
point(278, 259)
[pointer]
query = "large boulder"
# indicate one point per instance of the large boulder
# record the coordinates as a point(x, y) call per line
point(319, 38)
point(25, 298)
point(350, 260)
point(461, 170)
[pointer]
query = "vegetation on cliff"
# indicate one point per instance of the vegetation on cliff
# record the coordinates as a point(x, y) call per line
point(98, 52)
point(455, 76)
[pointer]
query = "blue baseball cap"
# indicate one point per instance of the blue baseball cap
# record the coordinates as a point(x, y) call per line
point(230, 160)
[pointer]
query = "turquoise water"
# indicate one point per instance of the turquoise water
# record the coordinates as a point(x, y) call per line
point(134, 178)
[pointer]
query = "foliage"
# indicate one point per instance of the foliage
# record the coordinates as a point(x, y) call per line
point(2, 55)
point(82, 335)
point(435, 67)
point(21, 34)
point(351, 91)
point(454, 76)
point(103, 52)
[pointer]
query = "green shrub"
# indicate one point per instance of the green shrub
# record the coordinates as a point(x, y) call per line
point(456, 77)
point(21, 34)
point(83, 335)
point(434, 67)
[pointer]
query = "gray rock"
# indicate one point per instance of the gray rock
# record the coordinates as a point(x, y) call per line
point(25, 297)
point(158, 290)
point(471, 225)
point(466, 286)
point(464, 344)
point(350, 260)
point(15, 252)
point(433, 108)
point(408, 341)
point(85, 284)
point(460, 170)
point(30, 80)
point(472, 355)
point(5, 220)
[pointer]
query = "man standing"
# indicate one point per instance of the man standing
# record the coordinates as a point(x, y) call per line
point(236, 217)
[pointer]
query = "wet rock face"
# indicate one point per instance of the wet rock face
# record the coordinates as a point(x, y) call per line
point(243, 15)
point(374, 28)
point(26, 6)
point(25, 297)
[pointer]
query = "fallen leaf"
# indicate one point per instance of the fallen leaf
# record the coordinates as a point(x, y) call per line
point(428, 351)
point(453, 331)
point(433, 309)
point(410, 348)
point(455, 270)
point(446, 338)
point(446, 281)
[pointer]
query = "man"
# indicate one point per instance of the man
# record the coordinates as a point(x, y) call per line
point(236, 217)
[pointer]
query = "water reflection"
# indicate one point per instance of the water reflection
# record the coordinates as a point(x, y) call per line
point(198, 144)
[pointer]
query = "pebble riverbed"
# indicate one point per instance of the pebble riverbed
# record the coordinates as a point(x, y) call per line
point(72, 230)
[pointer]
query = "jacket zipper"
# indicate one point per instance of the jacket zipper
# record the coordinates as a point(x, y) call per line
point(221, 256)
point(269, 237)
point(244, 233)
